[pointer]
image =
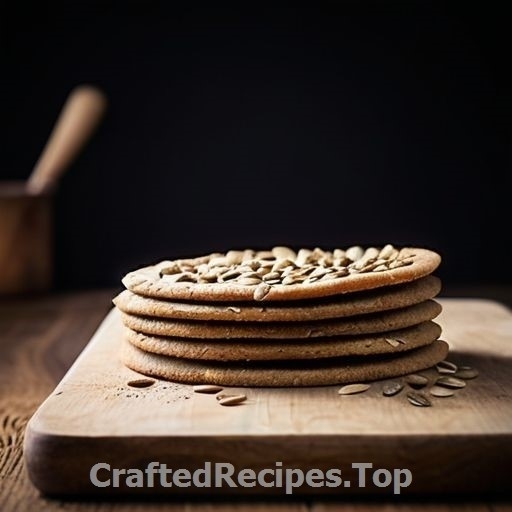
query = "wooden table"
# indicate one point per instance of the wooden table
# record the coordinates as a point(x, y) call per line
point(40, 338)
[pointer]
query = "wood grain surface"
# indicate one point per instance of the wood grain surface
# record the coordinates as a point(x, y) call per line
point(39, 339)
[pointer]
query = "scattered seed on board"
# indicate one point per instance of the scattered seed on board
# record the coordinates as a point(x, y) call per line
point(418, 399)
point(232, 400)
point(141, 383)
point(207, 388)
point(352, 389)
point(416, 381)
point(446, 367)
point(450, 382)
point(466, 373)
point(392, 388)
point(441, 392)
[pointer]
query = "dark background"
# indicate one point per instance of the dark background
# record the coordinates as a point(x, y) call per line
point(336, 124)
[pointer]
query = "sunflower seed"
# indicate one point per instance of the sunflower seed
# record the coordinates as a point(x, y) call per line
point(234, 309)
point(446, 367)
point(418, 399)
point(261, 291)
point(293, 279)
point(263, 271)
point(141, 383)
point(265, 255)
point(441, 392)
point(354, 253)
point(387, 251)
point(207, 388)
point(394, 343)
point(232, 400)
point(303, 257)
point(466, 373)
point(217, 261)
point(392, 388)
point(372, 253)
point(272, 275)
point(416, 381)
point(230, 274)
point(248, 254)
point(450, 382)
point(234, 257)
point(250, 274)
point(352, 389)
point(249, 281)
point(318, 272)
point(283, 253)
point(282, 264)
point(183, 277)
point(171, 269)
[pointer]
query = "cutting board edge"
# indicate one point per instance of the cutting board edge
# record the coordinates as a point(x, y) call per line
point(65, 475)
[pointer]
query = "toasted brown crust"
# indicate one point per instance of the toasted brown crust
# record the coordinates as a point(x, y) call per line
point(338, 306)
point(148, 282)
point(306, 373)
point(270, 350)
point(364, 324)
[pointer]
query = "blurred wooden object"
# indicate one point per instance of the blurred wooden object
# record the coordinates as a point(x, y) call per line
point(79, 117)
point(26, 251)
point(26, 222)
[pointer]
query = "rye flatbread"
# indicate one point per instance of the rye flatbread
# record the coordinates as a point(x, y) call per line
point(382, 299)
point(286, 374)
point(243, 275)
point(264, 350)
point(364, 324)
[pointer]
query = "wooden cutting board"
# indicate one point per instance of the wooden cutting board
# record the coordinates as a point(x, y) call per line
point(462, 444)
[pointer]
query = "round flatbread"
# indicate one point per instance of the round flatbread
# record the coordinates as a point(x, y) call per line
point(281, 273)
point(265, 350)
point(357, 303)
point(364, 324)
point(309, 373)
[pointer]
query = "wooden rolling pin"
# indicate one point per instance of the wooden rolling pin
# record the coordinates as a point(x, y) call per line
point(79, 117)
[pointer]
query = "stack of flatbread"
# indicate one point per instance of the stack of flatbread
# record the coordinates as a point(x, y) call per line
point(284, 317)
